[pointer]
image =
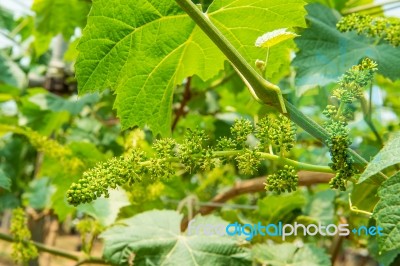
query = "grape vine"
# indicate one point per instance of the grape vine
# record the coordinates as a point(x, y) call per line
point(194, 154)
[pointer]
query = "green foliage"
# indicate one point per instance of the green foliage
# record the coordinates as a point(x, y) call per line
point(106, 210)
point(388, 156)
point(6, 19)
point(10, 72)
point(289, 254)
point(387, 214)
point(320, 207)
point(152, 58)
point(282, 207)
point(39, 194)
point(325, 53)
point(62, 155)
point(5, 181)
point(154, 238)
point(23, 249)
point(382, 28)
point(60, 16)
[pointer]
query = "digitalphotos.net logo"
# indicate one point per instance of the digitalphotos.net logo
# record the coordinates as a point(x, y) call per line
point(280, 229)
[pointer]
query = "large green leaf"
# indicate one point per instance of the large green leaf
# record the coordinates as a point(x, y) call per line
point(60, 16)
point(154, 238)
point(325, 53)
point(387, 214)
point(288, 254)
point(388, 156)
point(143, 48)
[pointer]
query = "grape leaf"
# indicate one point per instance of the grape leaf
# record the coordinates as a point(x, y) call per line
point(74, 105)
point(39, 193)
point(325, 53)
point(11, 73)
point(321, 207)
point(387, 214)
point(142, 49)
point(154, 238)
point(289, 254)
point(281, 207)
point(389, 155)
point(105, 210)
point(60, 16)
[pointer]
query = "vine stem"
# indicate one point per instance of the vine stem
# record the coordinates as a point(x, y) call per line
point(296, 164)
point(59, 252)
point(263, 155)
point(267, 92)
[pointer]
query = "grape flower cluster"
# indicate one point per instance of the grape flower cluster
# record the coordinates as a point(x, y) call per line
point(350, 89)
point(192, 154)
point(22, 248)
point(385, 28)
point(285, 179)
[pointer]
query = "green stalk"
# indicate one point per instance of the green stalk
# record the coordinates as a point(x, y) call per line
point(295, 164)
point(269, 93)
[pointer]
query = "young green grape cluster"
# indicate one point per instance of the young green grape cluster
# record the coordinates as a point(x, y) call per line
point(240, 130)
point(350, 89)
point(192, 146)
point(110, 174)
point(22, 248)
point(193, 154)
point(285, 179)
point(279, 132)
point(342, 162)
point(352, 83)
point(385, 28)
